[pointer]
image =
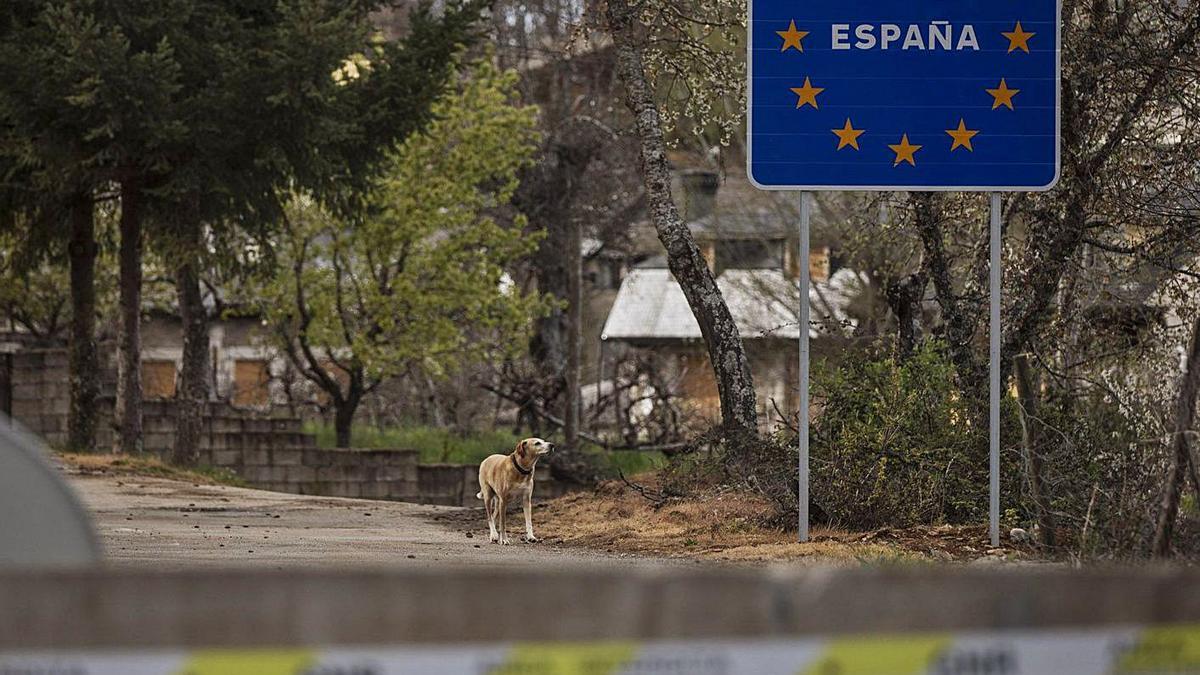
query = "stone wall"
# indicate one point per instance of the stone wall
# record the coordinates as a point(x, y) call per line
point(40, 393)
point(372, 474)
point(266, 448)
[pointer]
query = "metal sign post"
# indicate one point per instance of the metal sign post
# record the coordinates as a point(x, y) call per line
point(940, 95)
point(802, 417)
point(994, 365)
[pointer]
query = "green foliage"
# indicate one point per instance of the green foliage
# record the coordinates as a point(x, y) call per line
point(630, 463)
point(35, 284)
point(209, 108)
point(417, 281)
point(891, 444)
point(440, 445)
point(1104, 458)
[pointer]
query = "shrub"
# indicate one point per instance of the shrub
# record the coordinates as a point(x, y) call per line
point(892, 443)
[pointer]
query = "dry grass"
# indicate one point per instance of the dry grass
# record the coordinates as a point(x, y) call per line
point(123, 465)
point(726, 526)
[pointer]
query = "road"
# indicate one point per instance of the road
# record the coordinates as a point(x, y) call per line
point(164, 524)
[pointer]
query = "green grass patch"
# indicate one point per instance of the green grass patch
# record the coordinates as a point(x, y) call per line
point(435, 445)
point(445, 446)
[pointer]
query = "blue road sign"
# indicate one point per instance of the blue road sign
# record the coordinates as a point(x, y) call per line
point(903, 94)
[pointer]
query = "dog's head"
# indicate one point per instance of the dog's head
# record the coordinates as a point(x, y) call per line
point(531, 448)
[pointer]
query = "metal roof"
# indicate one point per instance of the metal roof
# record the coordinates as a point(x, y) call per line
point(651, 305)
point(765, 304)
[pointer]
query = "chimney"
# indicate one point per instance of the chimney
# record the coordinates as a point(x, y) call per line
point(699, 193)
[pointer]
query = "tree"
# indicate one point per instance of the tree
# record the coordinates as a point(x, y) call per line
point(735, 385)
point(50, 175)
point(1181, 460)
point(200, 111)
point(1090, 265)
point(416, 283)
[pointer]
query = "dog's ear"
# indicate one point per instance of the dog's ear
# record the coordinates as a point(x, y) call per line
point(521, 448)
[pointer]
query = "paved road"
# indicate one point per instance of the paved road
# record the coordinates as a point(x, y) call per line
point(160, 523)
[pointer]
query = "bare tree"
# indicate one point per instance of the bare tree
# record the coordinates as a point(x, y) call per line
point(735, 385)
point(1185, 415)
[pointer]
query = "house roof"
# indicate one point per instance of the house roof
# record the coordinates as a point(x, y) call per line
point(765, 304)
point(650, 305)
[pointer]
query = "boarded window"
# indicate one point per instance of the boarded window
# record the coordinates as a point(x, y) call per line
point(158, 379)
point(251, 382)
point(818, 264)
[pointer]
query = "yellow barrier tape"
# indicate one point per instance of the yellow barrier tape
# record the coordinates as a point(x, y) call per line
point(879, 656)
point(603, 658)
point(1169, 649)
point(249, 662)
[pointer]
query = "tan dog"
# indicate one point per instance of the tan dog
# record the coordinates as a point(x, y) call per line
point(505, 478)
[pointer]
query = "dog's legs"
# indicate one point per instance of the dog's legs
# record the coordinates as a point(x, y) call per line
point(501, 524)
point(491, 513)
point(528, 505)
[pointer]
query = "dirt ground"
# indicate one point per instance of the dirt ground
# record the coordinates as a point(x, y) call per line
point(148, 516)
point(725, 528)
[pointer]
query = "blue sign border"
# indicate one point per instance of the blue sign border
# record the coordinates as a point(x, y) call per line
point(906, 188)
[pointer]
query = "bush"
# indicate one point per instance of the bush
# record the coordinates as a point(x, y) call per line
point(1104, 468)
point(892, 443)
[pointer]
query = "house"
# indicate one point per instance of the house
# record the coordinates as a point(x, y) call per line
point(751, 246)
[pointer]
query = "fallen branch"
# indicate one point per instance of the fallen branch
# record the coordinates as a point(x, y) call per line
point(653, 496)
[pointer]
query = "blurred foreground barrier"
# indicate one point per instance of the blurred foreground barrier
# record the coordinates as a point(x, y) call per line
point(41, 522)
point(1173, 649)
point(669, 620)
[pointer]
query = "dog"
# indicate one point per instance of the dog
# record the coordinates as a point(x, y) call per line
point(505, 478)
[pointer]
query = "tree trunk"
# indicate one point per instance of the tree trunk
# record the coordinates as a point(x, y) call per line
point(574, 333)
point(128, 415)
point(735, 385)
point(193, 376)
point(960, 319)
point(1185, 413)
point(83, 359)
point(1031, 435)
point(904, 299)
point(343, 418)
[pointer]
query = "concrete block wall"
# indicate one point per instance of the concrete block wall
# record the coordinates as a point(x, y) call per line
point(268, 449)
point(306, 470)
point(40, 394)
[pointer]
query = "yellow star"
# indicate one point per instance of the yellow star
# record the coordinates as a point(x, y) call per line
point(905, 151)
point(807, 94)
point(848, 135)
point(962, 136)
point(792, 37)
point(1003, 95)
point(1018, 39)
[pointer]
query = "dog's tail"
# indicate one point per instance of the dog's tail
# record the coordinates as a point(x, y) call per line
point(479, 495)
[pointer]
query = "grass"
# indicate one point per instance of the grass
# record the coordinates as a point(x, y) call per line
point(438, 445)
point(149, 466)
point(435, 445)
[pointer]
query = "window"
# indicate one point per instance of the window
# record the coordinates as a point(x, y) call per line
point(251, 380)
point(158, 379)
